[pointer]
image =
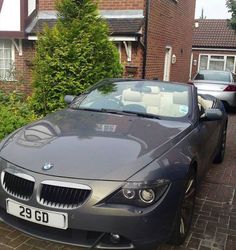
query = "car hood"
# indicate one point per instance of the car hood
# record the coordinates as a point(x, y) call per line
point(91, 145)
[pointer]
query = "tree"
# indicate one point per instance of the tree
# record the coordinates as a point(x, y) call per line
point(231, 4)
point(73, 55)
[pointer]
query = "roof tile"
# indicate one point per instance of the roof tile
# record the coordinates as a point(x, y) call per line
point(122, 26)
point(214, 33)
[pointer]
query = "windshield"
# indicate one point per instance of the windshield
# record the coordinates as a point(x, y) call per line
point(138, 97)
point(213, 76)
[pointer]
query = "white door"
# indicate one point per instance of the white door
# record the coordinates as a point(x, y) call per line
point(168, 52)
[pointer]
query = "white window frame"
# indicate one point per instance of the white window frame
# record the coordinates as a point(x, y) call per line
point(31, 6)
point(167, 63)
point(12, 58)
point(219, 60)
point(128, 50)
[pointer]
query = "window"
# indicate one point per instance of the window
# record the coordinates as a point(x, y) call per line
point(203, 62)
point(6, 60)
point(217, 62)
point(234, 76)
point(230, 63)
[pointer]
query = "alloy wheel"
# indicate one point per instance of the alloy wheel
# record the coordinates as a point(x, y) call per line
point(223, 145)
point(188, 205)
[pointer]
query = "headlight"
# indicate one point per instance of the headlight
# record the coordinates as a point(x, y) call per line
point(147, 195)
point(139, 193)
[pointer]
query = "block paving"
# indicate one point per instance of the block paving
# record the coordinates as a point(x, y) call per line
point(214, 223)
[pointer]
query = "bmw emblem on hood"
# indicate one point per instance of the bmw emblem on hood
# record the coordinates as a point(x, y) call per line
point(47, 166)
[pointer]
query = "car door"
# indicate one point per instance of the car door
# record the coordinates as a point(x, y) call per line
point(209, 133)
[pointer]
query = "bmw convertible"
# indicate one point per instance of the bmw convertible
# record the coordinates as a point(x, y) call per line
point(117, 169)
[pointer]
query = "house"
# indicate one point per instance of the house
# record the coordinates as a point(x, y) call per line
point(154, 37)
point(214, 46)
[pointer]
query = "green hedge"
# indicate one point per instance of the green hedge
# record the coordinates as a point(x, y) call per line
point(15, 112)
point(75, 54)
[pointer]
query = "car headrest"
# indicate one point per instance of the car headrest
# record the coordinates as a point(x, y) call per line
point(155, 90)
point(180, 98)
point(142, 89)
point(132, 96)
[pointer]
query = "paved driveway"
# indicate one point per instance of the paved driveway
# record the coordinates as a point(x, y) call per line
point(214, 225)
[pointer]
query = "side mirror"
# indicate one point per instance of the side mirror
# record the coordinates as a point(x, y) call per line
point(69, 99)
point(213, 115)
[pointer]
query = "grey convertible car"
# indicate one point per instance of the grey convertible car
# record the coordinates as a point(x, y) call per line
point(117, 169)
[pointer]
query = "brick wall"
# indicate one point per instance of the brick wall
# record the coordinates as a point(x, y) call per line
point(23, 72)
point(46, 4)
point(171, 24)
point(103, 4)
point(120, 4)
point(134, 68)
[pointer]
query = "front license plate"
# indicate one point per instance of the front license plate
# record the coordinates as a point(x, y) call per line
point(39, 216)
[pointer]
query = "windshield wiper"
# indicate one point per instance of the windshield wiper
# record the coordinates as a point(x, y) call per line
point(121, 112)
point(145, 115)
point(89, 109)
point(118, 112)
point(127, 112)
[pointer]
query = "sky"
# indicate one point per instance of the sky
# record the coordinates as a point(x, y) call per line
point(213, 9)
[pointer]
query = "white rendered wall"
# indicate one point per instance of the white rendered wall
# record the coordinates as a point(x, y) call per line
point(10, 16)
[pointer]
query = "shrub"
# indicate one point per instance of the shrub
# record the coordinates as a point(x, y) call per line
point(15, 112)
point(73, 55)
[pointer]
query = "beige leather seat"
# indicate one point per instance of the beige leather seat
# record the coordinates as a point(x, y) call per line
point(152, 100)
point(166, 104)
point(132, 97)
point(174, 104)
point(206, 104)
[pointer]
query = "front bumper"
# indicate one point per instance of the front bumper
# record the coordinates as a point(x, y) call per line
point(91, 225)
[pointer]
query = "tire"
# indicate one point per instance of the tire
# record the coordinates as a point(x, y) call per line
point(185, 213)
point(226, 106)
point(221, 151)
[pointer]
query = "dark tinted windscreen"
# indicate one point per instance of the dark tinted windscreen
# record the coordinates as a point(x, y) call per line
point(213, 76)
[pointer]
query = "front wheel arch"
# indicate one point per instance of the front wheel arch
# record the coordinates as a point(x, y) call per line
point(177, 238)
point(220, 153)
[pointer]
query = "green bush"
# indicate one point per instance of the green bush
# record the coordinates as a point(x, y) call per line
point(15, 112)
point(73, 55)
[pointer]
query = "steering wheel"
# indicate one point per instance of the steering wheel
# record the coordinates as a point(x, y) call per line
point(115, 100)
point(108, 103)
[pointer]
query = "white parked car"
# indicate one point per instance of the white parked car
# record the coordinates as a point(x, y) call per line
point(220, 84)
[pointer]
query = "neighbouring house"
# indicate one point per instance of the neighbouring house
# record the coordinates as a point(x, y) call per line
point(154, 37)
point(214, 46)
